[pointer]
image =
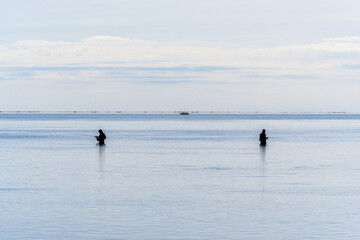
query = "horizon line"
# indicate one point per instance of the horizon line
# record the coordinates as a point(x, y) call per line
point(170, 112)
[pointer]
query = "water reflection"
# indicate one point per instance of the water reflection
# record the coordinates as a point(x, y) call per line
point(262, 153)
point(263, 166)
point(102, 159)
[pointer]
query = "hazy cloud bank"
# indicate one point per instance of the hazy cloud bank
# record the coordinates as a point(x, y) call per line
point(131, 74)
point(106, 50)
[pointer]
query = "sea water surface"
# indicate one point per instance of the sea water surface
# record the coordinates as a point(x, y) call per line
point(190, 177)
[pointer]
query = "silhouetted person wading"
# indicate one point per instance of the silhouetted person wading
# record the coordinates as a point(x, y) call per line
point(101, 138)
point(263, 138)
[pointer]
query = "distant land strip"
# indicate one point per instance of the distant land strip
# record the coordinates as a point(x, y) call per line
point(168, 112)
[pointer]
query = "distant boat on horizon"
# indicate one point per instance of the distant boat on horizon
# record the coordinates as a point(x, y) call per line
point(184, 113)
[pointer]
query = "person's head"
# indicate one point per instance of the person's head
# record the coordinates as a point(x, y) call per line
point(100, 131)
point(263, 130)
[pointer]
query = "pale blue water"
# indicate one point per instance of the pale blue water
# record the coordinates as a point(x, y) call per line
point(179, 177)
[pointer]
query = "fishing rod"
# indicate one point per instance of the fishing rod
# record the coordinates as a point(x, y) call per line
point(81, 134)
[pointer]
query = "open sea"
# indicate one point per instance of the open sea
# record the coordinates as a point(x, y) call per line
point(173, 177)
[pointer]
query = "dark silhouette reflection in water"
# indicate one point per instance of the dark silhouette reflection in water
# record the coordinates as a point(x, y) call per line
point(262, 153)
point(102, 159)
point(263, 166)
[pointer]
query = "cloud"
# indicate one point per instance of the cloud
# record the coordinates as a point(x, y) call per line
point(114, 60)
point(118, 51)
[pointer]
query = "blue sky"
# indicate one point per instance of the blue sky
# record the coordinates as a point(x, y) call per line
point(180, 55)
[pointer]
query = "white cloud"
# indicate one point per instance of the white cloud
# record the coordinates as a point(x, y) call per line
point(107, 50)
point(149, 73)
point(320, 60)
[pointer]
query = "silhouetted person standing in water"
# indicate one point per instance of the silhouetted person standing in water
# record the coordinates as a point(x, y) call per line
point(263, 138)
point(101, 138)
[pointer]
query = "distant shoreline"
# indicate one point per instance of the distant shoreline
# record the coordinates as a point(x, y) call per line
point(167, 112)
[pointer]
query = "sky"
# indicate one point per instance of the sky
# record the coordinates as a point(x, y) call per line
point(172, 55)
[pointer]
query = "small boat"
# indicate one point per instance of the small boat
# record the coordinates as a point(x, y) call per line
point(184, 113)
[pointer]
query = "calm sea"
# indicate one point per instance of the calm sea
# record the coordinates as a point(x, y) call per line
point(193, 177)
